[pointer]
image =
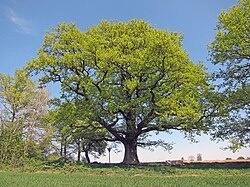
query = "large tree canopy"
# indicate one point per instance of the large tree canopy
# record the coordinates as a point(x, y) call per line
point(231, 50)
point(131, 77)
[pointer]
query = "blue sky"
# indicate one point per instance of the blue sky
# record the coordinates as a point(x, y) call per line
point(24, 23)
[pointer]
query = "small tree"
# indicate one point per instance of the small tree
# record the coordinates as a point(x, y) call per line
point(74, 132)
point(22, 106)
point(199, 157)
point(191, 158)
point(88, 143)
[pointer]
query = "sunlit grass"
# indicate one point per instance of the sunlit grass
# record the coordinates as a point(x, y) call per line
point(103, 175)
point(9, 179)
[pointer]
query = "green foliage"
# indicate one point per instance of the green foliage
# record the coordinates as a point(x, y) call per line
point(131, 78)
point(74, 132)
point(231, 45)
point(230, 50)
point(22, 105)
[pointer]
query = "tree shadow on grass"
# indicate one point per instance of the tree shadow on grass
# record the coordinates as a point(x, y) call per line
point(238, 165)
point(163, 167)
point(150, 167)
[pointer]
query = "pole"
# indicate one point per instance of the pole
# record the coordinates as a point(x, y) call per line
point(109, 149)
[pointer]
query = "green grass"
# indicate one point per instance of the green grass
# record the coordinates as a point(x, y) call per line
point(39, 174)
point(13, 179)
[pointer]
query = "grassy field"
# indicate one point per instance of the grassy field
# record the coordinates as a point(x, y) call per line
point(71, 175)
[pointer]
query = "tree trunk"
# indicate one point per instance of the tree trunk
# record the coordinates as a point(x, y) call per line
point(87, 157)
point(61, 150)
point(130, 156)
point(62, 145)
point(79, 152)
point(65, 151)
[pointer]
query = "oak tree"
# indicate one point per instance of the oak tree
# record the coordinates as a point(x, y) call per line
point(132, 78)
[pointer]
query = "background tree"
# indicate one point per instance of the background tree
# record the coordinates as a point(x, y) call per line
point(199, 157)
point(22, 105)
point(86, 141)
point(231, 52)
point(131, 78)
point(191, 158)
point(75, 133)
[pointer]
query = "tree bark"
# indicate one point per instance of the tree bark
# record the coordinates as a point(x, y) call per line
point(87, 157)
point(61, 150)
point(130, 156)
point(65, 152)
point(78, 151)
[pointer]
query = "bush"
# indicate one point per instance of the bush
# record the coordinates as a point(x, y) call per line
point(241, 158)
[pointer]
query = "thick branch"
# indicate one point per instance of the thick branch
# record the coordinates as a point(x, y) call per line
point(107, 126)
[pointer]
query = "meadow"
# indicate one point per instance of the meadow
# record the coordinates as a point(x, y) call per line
point(103, 175)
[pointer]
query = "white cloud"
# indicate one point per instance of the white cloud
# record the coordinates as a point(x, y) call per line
point(22, 24)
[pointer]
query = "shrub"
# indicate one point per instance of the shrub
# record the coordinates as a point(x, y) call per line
point(241, 158)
